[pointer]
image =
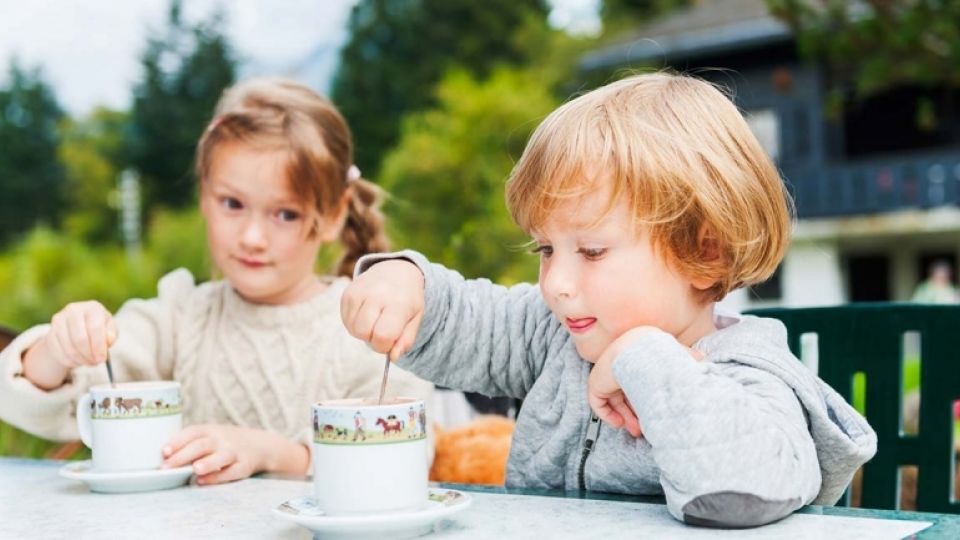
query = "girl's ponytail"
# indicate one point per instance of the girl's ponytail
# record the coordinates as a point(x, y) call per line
point(363, 232)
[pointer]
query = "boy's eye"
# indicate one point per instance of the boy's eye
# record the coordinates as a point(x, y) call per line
point(592, 254)
point(544, 251)
point(288, 215)
point(231, 203)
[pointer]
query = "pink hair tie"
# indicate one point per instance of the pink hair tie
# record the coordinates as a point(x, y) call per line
point(215, 123)
point(353, 174)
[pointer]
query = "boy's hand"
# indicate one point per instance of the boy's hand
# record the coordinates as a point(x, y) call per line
point(80, 334)
point(604, 393)
point(384, 306)
point(227, 453)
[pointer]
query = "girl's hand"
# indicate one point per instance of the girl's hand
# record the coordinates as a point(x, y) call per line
point(604, 394)
point(80, 334)
point(226, 453)
point(384, 306)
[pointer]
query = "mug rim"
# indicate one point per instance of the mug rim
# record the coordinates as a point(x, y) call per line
point(134, 386)
point(365, 403)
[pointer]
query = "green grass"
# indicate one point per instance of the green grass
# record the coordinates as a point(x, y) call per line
point(911, 381)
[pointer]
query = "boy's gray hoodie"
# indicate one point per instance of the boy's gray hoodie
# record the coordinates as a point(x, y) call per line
point(743, 437)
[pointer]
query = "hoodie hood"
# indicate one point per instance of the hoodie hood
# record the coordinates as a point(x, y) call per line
point(843, 438)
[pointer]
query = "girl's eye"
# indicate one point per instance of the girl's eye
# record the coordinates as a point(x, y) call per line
point(544, 251)
point(592, 254)
point(230, 203)
point(288, 215)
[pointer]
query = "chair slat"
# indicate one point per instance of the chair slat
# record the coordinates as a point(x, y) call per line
point(868, 338)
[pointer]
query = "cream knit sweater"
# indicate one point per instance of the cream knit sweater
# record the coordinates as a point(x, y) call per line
point(238, 363)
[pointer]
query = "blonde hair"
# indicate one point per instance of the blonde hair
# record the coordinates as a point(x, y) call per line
point(682, 156)
point(274, 114)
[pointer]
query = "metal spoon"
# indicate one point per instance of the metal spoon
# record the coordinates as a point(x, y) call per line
point(383, 383)
point(109, 370)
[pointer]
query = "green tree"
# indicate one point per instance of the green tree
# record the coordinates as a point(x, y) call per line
point(399, 49)
point(446, 175)
point(92, 153)
point(875, 45)
point(620, 16)
point(184, 72)
point(31, 177)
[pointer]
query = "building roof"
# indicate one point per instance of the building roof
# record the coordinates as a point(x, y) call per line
point(707, 27)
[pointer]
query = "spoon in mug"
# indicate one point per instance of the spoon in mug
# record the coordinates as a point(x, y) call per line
point(110, 370)
point(383, 383)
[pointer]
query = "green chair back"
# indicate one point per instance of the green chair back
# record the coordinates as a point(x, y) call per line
point(869, 339)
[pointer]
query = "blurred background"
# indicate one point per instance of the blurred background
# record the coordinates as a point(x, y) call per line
point(101, 105)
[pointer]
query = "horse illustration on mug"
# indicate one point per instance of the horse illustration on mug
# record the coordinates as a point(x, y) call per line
point(391, 424)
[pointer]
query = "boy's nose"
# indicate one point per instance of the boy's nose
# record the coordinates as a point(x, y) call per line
point(558, 282)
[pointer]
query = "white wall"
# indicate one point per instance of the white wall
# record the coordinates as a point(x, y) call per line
point(812, 275)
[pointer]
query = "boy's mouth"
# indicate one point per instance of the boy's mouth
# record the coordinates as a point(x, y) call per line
point(578, 326)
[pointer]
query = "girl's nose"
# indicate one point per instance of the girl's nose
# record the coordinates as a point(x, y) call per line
point(253, 234)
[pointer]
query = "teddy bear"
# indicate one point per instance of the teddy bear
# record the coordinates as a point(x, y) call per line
point(475, 453)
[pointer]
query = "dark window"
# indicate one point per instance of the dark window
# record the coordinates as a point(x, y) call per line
point(868, 278)
point(905, 118)
point(771, 289)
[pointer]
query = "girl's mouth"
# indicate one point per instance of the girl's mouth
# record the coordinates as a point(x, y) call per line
point(252, 264)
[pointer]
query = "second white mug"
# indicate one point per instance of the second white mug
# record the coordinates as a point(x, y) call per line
point(370, 458)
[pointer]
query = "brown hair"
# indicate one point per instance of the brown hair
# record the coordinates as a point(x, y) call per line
point(681, 154)
point(283, 115)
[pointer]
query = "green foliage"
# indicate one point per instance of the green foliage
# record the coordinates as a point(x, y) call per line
point(620, 16)
point(15, 442)
point(47, 270)
point(177, 239)
point(184, 72)
point(446, 175)
point(399, 49)
point(91, 151)
point(31, 177)
point(875, 45)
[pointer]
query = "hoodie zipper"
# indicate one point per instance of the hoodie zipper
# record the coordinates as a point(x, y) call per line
point(593, 433)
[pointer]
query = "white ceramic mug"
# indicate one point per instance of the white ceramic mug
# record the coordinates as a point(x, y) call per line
point(369, 458)
point(126, 426)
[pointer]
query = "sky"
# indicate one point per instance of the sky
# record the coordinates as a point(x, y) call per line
point(89, 50)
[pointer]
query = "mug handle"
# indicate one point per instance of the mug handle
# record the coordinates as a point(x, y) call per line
point(84, 420)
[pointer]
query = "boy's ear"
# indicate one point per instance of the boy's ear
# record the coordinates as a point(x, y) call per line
point(712, 257)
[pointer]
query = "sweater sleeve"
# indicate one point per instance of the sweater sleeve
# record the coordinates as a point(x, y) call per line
point(475, 335)
point(731, 441)
point(143, 351)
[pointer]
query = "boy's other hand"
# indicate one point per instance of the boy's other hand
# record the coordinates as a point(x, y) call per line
point(604, 393)
point(384, 306)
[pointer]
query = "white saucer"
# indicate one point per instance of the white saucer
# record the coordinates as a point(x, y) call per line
point(441, 503)
point(125, 481)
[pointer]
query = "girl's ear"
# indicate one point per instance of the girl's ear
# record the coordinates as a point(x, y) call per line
point(712, 257)
point(331, 227)
point(204, 200)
